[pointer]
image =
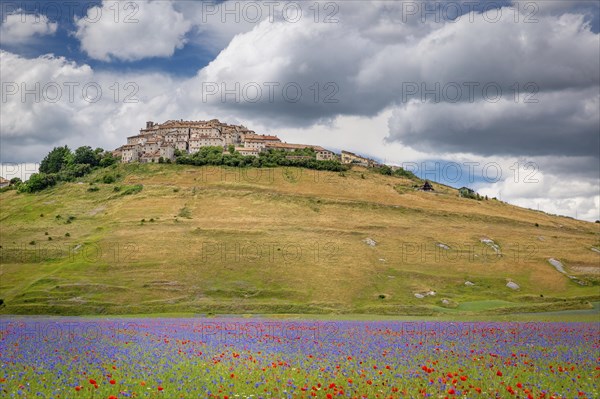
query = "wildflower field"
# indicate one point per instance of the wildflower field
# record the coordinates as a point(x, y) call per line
point(262, 358)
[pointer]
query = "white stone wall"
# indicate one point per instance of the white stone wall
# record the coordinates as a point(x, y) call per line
point(255, 144)
point(130, 154)
point(325, 155)
point(167, 152)
point(181, 145)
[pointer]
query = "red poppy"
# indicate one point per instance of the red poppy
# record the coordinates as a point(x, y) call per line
point(112, 382)
point(92, 381)
point(160, 388)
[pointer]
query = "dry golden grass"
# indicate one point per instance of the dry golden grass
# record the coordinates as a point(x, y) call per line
point(278, 240)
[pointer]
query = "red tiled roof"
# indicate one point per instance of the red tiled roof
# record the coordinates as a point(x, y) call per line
point(295, 146)
point(260, 137)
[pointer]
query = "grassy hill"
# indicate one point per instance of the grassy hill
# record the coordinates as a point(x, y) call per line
point(283, 240)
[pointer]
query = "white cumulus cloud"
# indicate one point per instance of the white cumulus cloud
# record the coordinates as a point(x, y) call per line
point(369, 53)
point(20, 27)
point(132, 30)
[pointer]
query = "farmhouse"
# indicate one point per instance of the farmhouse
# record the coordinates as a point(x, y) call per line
point(427, 186)
point(351, 158)
point(246, 151)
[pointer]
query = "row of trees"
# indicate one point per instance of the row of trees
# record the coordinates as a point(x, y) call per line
point(272, 158)
point(466, 192)
point(61, 159)
point(399, 172)
point(61, 164)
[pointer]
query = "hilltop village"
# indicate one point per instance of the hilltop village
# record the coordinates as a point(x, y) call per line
point(199, 143)
point(160, 143)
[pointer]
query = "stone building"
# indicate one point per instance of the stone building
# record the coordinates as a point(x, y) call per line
point(130, 152)
point(205, 141)
point(245, 151)
point(167, 151)
point(259, 141)
point(161, 140)
point(351, 158)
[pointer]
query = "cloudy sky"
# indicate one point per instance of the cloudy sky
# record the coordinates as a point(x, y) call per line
point(502, 97)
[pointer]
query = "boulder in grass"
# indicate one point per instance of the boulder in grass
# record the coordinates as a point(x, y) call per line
point(557, 265)
point(370, 242)
point(512, 285)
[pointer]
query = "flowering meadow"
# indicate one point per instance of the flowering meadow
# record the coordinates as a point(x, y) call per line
point(262, 358)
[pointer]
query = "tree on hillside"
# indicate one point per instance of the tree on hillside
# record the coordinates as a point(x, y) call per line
point(73, 171)
point(56, 159)
point(401, 172)
point(85, 155)
point(107, 160)
point(38, 182)
point(386, 170)
point(15, 181)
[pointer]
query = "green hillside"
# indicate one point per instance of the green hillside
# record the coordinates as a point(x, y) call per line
point(283, 240)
